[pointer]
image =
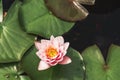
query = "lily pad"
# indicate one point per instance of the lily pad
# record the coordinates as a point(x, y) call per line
point(72, 71)
point(11, 72)
point(14, 42)
point(70, 10)
point(87, 2)
point(37, 19)
point(1, 11)
point(97, 68)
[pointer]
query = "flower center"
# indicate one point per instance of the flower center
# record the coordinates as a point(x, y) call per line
point(51, 52)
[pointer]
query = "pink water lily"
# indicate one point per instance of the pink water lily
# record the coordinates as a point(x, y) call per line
point(52, 52)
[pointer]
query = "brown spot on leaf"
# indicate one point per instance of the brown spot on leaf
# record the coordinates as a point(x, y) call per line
point(105, 67)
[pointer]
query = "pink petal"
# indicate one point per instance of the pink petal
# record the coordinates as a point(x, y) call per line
point(43, 65)
point(66, 45)
point(38, 54)
point(52, 37)
point(66, 60)
point(53, 63)
point(59, 39)
point(60, 57)
point(44, 41)
point(41, 56)
point(37, 45)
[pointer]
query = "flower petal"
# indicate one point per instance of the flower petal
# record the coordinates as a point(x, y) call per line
point(41, 55)
point(59, 39)
point(37, 44)
point(38, 54)
point(53, 63)
point(66, 45)
point(43, 65)
point(52, 37)
point(66, 60)
point(43, 41)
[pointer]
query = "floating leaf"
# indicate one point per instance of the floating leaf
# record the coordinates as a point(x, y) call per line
point(1, 11)
point(13, 41)
point(97, 68)
point(24, 78)
point(87, 2)
point(72, 71)
point(37, 19)
point(11, 72)
point(70, 10)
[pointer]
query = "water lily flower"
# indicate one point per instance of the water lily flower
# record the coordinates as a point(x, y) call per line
point(52, 52)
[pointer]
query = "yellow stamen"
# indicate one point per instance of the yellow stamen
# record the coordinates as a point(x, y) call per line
point(51, 52)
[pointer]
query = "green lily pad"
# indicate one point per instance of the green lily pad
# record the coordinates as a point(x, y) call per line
point(97, 68)
point(14, 42)
point(37, 19)
point(70, 10)
point(11, 72)
point(24, 77)
point(87, 2)
point(1, 11)
point(72, 71)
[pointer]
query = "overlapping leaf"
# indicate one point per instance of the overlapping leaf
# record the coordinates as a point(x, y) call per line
point(37, 19)
point(97, 68)
point(13, 40)
point(87, 2)
point(1, 11)
point(70, 10)
point(72, 71)
point(11, 72)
